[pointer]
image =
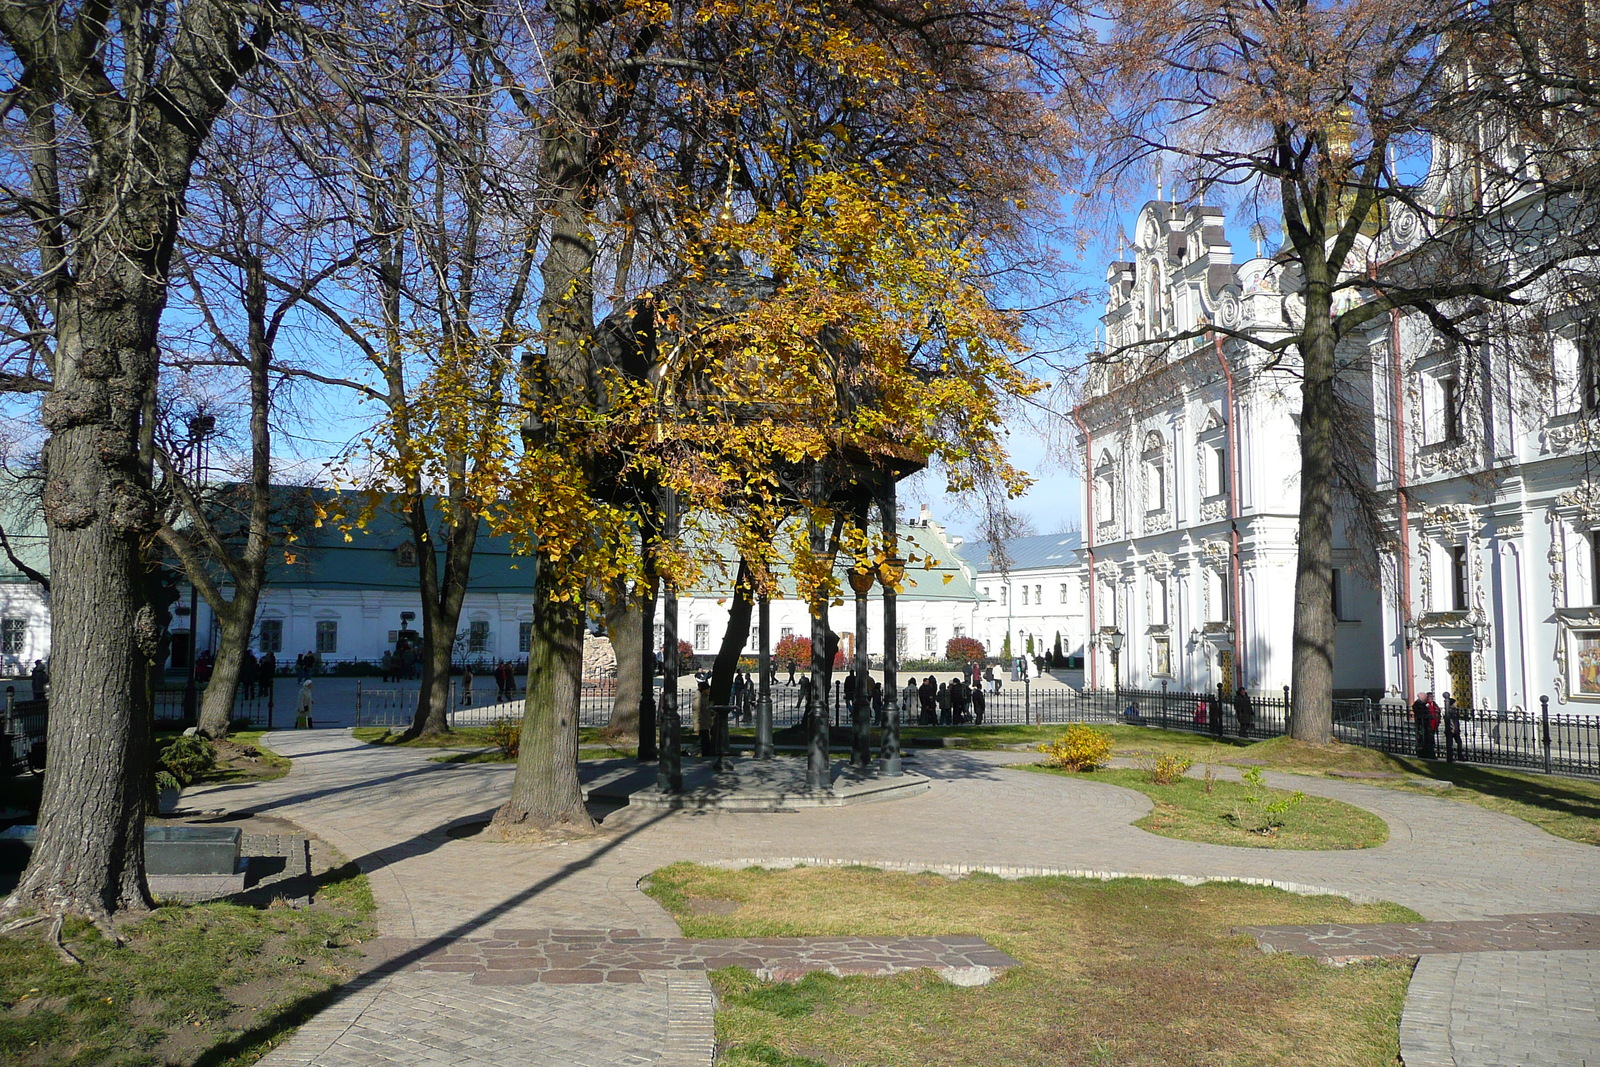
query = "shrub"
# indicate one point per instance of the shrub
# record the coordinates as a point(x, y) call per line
point(1164, 770)
point(964, 649)
point(187, 758)
point(1081, 748)
point(505, 735)
point(1261, 808)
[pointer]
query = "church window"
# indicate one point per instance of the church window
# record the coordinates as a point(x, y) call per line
point(13, 634)
point(478, 635)
point(1450, 409)
point(702, 636)
point(930, 639)
point(1038, 595)
point(271, 636)
point(405, 555)
point(327, 637)
point(1155, 473)
point(1063, 592)
point(1594, 566)
point(524, 636)
point(1024, 596)
point(1589, 369)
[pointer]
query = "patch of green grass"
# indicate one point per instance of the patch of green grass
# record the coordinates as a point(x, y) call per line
point(1186, 810)
point(1133, 972)
point(210, 983)
point(1565, 807)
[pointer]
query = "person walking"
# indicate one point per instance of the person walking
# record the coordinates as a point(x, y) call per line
point(302, 708)
point(466, 686)
point(39, 678)
point(877, 703)
point(1244, 711)
point(958, 701)
point(927, 698)
point(978, 705)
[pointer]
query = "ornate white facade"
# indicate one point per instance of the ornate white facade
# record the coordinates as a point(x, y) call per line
point(1191, 487)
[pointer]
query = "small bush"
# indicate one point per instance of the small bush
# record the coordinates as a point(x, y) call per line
point(964, 650)
point(187, 758)
point(506, 735)
point(1164, 770)
point(1081, 748)
point(1262, 808)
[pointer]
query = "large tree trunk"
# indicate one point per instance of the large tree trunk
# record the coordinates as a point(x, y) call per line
point(443, 589)
point(545, 794)
point(1312, 677)
point(734, 638)
point(88, 858)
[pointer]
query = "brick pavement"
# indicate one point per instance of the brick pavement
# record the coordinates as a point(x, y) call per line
point(584, 957)
point(400, 817)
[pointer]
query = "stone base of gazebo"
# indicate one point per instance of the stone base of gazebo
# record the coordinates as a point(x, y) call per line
point(746, 784)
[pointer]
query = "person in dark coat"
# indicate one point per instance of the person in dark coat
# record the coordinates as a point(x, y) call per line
point(266, 672)
point(927, 695)
point(1452, 730)
point(39, 678)
point(877, 703)
point(1244, 711)
point(1425, 722)
point(979, 703)
point(942, 695)
point(958, 701)
point(247, 674)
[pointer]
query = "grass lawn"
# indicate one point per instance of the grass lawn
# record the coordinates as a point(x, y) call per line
point(1187, 811)
point(1127, 740)
point(1130, 972)
point(212, 984)
point(1565, 807)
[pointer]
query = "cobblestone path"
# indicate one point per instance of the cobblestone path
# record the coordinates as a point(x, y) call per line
point(402, 819)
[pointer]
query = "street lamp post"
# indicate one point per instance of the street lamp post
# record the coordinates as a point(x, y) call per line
point(1114, 641)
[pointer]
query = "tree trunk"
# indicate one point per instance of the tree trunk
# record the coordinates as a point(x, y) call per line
point(88, 857)
point(624, 622)
point(443, 589)
point(734, 638)
point(545, 794)
point(1311, 718)
point(234, 625)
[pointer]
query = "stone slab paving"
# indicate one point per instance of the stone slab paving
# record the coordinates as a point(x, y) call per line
point(1345, 943)
point(401, 818)
point(586, 957)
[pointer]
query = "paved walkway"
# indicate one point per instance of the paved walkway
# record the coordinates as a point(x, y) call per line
point(393, 812)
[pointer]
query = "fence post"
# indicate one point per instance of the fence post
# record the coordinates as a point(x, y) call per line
point(1544, 730)
point(272, 692)
point(1366, 722)
point(1027, 702)
point(358, 701)
point(1286, 711)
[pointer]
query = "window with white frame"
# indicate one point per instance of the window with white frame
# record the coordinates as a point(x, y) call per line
point(271, 636)
point(958, 631)
point(930, 639)
point(1442, 395)
point(327, 637)
point(1218, 584)
point(1038, 596)
point(785, 631)
point(1004, 589)
point(702, 636)
point(1575, 367)
point(1158, 601)
point(1063, 592)
point(478, 635)
point(1024, 596)
point(13, 636)
point(524, 636)
point(902, 642)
